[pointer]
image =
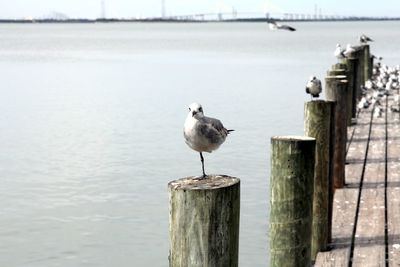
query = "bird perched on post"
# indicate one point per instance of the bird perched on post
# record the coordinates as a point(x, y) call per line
point(339, 52)
point(364, 39)
point(349, 51)
point(203, 134)
point(313, 87)
point(273, 25)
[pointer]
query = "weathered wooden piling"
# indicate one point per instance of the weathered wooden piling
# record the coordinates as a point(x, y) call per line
point(317, 124)
point(360, 73)
point(336, 90)
point(367, 62)
point(332, 139)
point(339, 69)
point(371, 64)
point(292, 172)
point(351, 63)
point(204, 221)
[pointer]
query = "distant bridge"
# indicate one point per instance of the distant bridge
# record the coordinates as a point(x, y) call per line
point(220, 16)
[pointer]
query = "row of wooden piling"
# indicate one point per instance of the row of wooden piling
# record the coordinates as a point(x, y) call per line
point(305, 171)
point(326, 121)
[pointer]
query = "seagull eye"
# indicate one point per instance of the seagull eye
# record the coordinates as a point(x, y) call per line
point(200, 109)
point(190, 109)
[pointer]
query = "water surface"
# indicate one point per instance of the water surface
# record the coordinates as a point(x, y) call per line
point(91, 128)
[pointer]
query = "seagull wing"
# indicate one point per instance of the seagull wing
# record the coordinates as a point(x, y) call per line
point(212, 129)
point(286, 27)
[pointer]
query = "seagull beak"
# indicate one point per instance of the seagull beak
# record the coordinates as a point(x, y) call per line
point(194, 113)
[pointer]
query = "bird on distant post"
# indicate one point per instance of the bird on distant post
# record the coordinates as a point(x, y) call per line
point(364, 39)
point(273, 25)
point(203, 134)
point(339, 52)
point(313, 87)
point(349, 51)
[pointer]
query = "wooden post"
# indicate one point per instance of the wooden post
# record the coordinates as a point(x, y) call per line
point(332, 139)
point(360, 78)
point(204, 221)
point(339, 66)
point(367, 62)
point(292, 172)
point(371, 65)
point(351, 63)
point(336, 90)
point(337, 69)
point(342, 69)
point(317, 123)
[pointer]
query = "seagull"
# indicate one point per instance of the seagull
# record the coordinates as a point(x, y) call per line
point(364, 39)
point(313, 87)
point(339, 52)
point(203, 134)
point(349, 50)
point(273, 25)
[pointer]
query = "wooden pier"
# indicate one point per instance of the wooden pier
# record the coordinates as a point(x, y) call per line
point(335, 192)
point(366, 211)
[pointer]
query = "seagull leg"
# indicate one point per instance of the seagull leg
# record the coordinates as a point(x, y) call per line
point(202, 165)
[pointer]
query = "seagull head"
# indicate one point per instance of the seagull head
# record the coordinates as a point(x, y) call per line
point(196, 110)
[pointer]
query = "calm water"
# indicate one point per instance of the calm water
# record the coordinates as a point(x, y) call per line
point(91, 120)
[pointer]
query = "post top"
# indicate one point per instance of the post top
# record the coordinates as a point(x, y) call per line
point(210, 182)
point(316, 102)
point(337, 77)
point(293, 138)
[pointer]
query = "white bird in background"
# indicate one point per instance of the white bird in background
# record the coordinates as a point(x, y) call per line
point(339, 52)
point(313, 87)
point(273, 25)
point(203, 134)
point(364, 39)
point(349, 50)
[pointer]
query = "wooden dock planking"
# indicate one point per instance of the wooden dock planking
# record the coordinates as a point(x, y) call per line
point(393, 190)
point(369, 242)
point(356, 154)
point(370, 237)
point(345, 200)
point(334, 258)
point(344, 209)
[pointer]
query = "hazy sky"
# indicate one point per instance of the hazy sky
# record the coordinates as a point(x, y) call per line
point(135, 8)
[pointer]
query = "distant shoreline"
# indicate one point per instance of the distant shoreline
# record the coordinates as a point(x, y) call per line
point(173, 20)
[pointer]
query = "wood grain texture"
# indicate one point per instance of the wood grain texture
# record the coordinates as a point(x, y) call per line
point(336, 90)
point(292, 172)
point(369, 249)
point(335, 258)
point(351, 101)
point(367, 62)
point(317, 122)
point(204, 221)
point(393, 190)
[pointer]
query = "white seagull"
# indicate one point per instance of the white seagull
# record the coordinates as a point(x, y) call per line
point(349, 50)
point(364, 39)
point(313, 87)
point(273, 25)
point(203, 134)
point(339, 52)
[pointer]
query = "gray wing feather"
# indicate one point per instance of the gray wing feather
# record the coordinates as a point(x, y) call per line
point(213, 129)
